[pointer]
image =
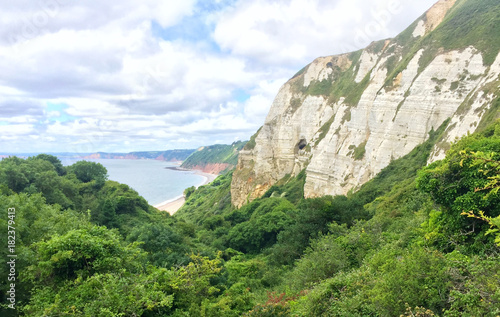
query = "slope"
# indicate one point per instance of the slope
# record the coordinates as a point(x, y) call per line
point(214, 158)
point(344, 118)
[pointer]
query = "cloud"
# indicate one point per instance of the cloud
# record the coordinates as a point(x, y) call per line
point(25, 20)
point(291, 32)
point(13, 107)
point(157, 74)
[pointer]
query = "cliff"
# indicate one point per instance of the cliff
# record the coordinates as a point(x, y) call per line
point(344, 118)
point(214, 159)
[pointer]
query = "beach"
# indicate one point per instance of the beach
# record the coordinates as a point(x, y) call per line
point(171, 206)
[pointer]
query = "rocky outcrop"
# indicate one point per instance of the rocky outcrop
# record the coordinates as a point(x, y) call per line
point(212, 168)
point(214, 159)
point(344, 118)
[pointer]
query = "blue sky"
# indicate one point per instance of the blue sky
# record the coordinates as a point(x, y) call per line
point(57, 112)
point(116, 76)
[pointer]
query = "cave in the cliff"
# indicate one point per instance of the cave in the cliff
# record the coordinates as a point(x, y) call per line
point(300, 146)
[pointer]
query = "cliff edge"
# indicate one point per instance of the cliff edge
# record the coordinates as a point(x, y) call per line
point(344, 118)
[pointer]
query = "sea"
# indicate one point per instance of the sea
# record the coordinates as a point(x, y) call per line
point(150, 178)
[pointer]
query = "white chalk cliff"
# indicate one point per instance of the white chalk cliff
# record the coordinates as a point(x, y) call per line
point(344, 118)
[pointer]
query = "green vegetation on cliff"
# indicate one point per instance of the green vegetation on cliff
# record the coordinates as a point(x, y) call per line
point(416, 240)
point(471, 23)
point(215, 154)
point(404, 244)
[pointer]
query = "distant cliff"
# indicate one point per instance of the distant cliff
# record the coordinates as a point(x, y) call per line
point(214, 159)
point(344, 118)
point(169, 155)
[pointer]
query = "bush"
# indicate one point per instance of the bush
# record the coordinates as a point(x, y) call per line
point(89, 171)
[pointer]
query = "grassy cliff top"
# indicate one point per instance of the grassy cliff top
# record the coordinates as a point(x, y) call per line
point(213, 154)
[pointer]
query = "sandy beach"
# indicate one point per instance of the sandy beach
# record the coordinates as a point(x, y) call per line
point(171, 206)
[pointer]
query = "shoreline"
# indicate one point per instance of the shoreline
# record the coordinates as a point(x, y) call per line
point(172, 205)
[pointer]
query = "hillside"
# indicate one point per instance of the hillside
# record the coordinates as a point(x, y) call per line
point(214, 159)
point(419, 237)
point(344, 118)
point(399, 246)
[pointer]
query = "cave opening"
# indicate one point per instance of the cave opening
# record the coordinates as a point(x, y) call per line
point(300, 146)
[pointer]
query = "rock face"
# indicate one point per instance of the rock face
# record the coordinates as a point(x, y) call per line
point(212, 168)
point(344, 118)
point(214, 159)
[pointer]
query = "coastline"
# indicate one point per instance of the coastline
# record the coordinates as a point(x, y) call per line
point(172, 205)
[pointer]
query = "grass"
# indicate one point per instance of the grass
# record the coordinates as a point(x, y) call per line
point(470, 23)
point(320, 88)
point(218, 153)
point(207, 201)
point(377, 47)
point(491, 114)
point(324, 130)
point(347, 116)
point(251, 143)
point(340, 84)
point(391, 63)
point(359, 151)
point(402, 169)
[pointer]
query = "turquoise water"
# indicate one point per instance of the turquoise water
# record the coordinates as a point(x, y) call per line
point(150, 178)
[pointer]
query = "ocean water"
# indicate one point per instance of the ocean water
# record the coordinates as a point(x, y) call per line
point(150, 178)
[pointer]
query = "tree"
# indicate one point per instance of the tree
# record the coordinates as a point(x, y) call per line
point(261, 231)
point(89, 272)
point(466, 181)
point(89, 171)
point(192, 283)
point(491, 168)
point(54, 161)
point(11, 174)
point(50, 185)
point(164, 245)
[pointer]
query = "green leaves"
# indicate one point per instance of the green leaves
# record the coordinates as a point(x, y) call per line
point(80, 254)
point(87, 171)
point(110, 294)
point(192, 283)
point(466, 182)
point(263, 227)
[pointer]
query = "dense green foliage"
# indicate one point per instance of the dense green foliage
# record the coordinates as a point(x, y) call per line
point(215, 154)
point(414, 241)
point(208, 200)
point(454, 184)
point(389, 249)
point(64, 251)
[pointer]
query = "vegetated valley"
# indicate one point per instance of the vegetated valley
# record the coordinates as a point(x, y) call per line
point(417, 239)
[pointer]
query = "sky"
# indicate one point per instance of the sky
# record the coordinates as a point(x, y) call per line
point(121, 76)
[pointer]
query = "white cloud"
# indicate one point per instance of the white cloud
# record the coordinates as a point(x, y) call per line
point(137, 75)
point(25, 20)
point(292, 32)
point(258, 105)
point(13, 130)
